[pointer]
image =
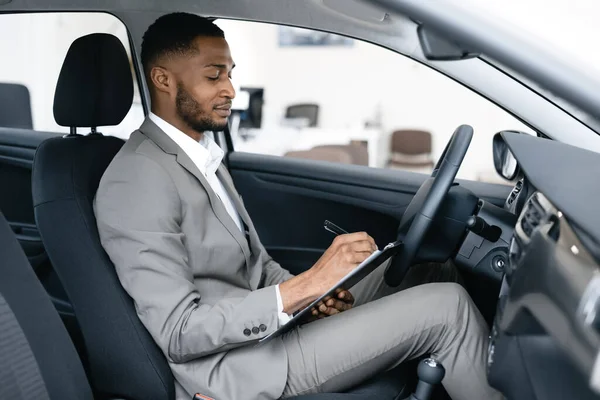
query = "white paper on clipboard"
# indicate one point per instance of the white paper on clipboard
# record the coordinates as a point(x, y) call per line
point(352, 278)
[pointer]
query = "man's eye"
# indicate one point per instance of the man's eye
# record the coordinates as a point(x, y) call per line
point(213, 78)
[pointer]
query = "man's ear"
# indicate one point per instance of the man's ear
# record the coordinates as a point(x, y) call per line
point(162, 80)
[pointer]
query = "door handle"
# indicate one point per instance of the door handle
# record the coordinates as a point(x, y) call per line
point(25, 231)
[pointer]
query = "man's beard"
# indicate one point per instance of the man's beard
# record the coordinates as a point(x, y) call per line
point(189, 111)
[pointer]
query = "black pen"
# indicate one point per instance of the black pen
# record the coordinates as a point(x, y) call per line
point(333, 228)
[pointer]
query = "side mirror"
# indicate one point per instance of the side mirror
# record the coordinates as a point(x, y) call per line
point(504, 161)
point(438, 48)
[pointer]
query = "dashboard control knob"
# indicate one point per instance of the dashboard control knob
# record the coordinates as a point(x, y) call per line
point(498, 263)
point(478, 226)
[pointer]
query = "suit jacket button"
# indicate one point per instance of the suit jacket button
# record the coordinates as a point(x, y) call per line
point(255, 330)
point(247, 332)
point(262, 327)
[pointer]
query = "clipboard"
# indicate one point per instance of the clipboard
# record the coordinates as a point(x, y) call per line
point(369, 265)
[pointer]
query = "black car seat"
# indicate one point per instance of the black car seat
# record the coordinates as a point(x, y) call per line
point(37, 358)
point(124, 361)
point(95, 88)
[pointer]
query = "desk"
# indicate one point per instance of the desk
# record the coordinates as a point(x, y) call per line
point(279, 140)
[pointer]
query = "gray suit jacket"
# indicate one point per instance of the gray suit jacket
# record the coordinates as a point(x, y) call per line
point(202, 289)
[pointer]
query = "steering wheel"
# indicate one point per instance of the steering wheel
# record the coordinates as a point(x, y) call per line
point(427, 201)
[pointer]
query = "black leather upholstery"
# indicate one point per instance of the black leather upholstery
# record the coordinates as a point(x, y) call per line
point(48, 341)
point(95, 86)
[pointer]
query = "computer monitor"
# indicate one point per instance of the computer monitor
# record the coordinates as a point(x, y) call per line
point(252, 117)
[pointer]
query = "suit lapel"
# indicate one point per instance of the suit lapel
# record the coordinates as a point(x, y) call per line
point(217, 205)
point(155, 134)
point(225, 179)
point(255, 274)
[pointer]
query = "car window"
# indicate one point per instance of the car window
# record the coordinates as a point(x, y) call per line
point(31, 62)
point(313, 95)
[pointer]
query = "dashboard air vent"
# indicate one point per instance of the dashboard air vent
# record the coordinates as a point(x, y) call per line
point(515, 192)
point(531, 217)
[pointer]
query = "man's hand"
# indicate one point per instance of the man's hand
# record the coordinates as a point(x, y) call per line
point(344, 254)
point(340, 302)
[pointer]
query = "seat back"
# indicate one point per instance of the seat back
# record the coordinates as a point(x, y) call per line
point(309, 111)
point(338, 155)
point(15, 106)
point(124, 360)
point(411, 142)
point(411, 149)
point(37, 358)
point(358, 150)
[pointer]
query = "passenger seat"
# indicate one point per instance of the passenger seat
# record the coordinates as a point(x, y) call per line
point(37, 359)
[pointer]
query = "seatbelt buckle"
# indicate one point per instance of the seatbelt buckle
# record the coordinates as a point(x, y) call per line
point(199, 396)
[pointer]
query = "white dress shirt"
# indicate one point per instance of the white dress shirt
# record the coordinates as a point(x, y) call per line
point(207, 157)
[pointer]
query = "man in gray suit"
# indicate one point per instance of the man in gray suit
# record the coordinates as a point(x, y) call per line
point(186, 251)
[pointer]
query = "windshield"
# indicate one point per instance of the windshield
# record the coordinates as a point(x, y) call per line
point(568, 27)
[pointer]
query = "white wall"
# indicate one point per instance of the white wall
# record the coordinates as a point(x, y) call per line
point(33, 49)
point(350, 82)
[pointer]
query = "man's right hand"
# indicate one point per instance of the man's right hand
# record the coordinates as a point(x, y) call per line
point(344, 254)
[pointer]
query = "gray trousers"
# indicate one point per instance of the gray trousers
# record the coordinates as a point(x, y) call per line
point(385, 327)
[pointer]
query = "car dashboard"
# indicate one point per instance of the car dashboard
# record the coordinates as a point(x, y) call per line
point(545, 339)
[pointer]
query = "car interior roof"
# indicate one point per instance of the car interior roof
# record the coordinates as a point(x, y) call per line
point(351, 17)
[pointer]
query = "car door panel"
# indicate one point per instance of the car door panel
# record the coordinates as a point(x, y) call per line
point(294, 259)
point(289, 199)
point(17, 150)
point(291, 226)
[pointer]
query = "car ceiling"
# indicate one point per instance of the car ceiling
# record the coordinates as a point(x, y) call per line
point(351, 17)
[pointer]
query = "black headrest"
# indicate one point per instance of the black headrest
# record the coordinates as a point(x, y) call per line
point(95, 86)
point(15, 106)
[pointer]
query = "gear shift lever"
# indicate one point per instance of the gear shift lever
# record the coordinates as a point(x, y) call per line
point(430, 373)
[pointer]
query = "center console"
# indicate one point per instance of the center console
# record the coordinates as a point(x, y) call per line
point(538, 348)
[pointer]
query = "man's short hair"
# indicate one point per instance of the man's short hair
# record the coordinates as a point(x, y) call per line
point(174, 34)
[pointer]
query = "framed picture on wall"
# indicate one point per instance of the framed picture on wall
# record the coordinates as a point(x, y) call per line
point(290, 37)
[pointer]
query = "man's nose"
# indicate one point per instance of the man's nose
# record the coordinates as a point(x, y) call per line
point(228, 89)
